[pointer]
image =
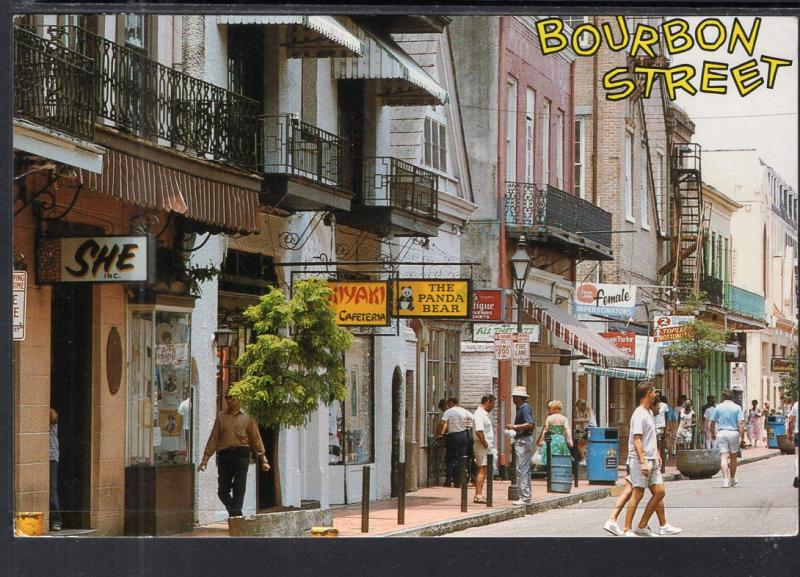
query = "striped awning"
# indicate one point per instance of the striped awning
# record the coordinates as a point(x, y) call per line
point(327, 36)
point(577, 335)
point(146, 183)
point(630, 374)
point(403, 81)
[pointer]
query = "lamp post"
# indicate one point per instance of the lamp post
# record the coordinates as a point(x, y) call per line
point(223, 337)
point(520, 268)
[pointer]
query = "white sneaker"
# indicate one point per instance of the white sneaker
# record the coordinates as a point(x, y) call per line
point(613, 528)
point(520, 502)
point(630, 534)
point(726, 483)
point(734, 481)
point(644, 532)
point(669, 530)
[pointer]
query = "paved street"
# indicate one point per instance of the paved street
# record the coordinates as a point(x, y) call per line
point(764, 503)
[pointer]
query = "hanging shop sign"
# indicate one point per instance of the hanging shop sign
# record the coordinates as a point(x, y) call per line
point(18, 304)
point(95, 259)
point(625, 341)
point(667, 329)
point(503, 346)
point(432, 298)
point(780, 365)
point(360, 303)
point(486, 332)
point(488, 305)
point(608, 300)
point(522, 349)
point(739, 376)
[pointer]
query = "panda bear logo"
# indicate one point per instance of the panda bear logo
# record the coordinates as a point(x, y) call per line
point(405, 301)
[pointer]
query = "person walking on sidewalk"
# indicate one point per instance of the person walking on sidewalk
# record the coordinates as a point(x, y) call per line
point(561, 441)
point(708, 413)
point(754, 429)
point(660, 416)
point(727, 429)
point(455, 421)
point(644, 461)
point(686, 423)
point(234, 435)
point(523, 427)
point(55, 509)
point(484, 443)
point(792, 425)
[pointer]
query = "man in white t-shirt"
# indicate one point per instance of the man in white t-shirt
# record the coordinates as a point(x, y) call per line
point(727, 429)
point(484, 443)
point(455, 421)
point(644, 461)
point(708, 415)
point(661, 426)
point(793, 424)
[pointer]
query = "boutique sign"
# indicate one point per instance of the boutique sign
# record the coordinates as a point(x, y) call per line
point(95, 259)
point(608, 300)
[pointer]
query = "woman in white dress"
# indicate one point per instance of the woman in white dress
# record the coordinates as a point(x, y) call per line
point(686, 422)
point(754, 428)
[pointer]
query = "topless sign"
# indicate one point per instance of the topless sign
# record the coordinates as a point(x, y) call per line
point(359, 303)
point(95, 259)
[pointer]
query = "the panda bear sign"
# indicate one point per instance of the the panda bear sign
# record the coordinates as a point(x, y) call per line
point(405, 300)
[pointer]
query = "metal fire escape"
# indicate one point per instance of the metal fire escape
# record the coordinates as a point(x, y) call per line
point(687, 237)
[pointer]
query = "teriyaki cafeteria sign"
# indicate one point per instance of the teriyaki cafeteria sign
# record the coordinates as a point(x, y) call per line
point(359, 303)
point(608, 300)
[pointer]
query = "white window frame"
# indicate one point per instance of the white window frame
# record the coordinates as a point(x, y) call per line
point(434, 148)
point(580, 158)
point(644, 190)
point(628, 177)
point(530, 141)
point(560, 149)
point(546, 141)
point(511, 130)
point(658, 175)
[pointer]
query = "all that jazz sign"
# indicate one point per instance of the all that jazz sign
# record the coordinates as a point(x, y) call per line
point(360, 303)
point(95, 259)
point(432, 298)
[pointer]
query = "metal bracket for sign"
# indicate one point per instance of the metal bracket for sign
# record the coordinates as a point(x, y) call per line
point(388, 270)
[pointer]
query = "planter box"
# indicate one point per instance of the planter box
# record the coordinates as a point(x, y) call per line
point(290, 523)
point(698, 463)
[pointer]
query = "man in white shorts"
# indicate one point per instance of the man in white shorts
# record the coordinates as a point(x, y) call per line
point(484, 443)
point(727, 429)
point(644, 461)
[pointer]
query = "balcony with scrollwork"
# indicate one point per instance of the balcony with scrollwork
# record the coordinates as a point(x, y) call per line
point(394, 197)
point(550, 216)
point(305, 168)
point(66, 77)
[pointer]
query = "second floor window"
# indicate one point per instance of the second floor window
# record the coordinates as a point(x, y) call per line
point(546, 142)
point(435, 145)
point(134, 30)
point(560, 150)
point(511, 130)
point(628, 160)
point(645, 189)
point(580, 169)
point(530, 109)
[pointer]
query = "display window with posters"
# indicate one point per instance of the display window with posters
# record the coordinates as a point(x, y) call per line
point(351, 422)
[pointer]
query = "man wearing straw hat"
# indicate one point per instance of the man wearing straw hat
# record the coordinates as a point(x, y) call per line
point(522, 427)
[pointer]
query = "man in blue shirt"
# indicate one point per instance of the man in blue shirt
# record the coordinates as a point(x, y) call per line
point(727, 428)
point(523, 443)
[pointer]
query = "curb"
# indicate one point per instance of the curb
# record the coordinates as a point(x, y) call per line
point(489, 518)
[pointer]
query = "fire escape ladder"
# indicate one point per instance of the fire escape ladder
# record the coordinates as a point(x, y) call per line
point(687, 187)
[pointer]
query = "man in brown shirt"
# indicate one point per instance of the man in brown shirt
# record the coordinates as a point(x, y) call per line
point(234, 435)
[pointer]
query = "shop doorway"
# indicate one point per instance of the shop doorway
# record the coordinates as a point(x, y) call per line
point(71, 397)
point(266, 495)
point(398, 424)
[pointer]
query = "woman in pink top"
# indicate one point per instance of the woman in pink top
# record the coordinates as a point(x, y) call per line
point(754, 428)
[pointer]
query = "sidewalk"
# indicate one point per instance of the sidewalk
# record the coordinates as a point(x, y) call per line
point(433, 511)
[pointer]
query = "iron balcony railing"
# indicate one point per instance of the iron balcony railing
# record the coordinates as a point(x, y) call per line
point(53, 85)
point(387, 181)
point(714, 289)
point(288, 146)
point(744, 302)
point(149, 99)
point(530, 205)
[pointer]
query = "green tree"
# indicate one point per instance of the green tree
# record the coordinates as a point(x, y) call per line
point(296, 362)
point(789, 380)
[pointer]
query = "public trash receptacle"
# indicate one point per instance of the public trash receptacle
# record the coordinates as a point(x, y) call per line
point(776, 426)
point(602, 455)
point(561, 474)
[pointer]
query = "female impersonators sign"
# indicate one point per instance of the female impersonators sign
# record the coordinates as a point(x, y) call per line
point(606, 300)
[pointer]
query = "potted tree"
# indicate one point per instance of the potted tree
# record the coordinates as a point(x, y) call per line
point(789, 394)
point(296, 363)
point(693, 350)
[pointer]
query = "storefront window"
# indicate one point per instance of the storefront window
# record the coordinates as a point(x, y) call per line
point(159, 387)
point(444, 348)
point(350, 433)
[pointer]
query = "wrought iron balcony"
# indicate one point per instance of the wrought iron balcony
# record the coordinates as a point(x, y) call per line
point(714, 289)
point(53, 85)
point(386, 181)
point(551, 215)
point(744, 302)
point(149, 99)
point(288, 146)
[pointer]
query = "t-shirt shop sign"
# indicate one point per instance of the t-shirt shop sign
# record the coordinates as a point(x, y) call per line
point(487, 305)
point(608, 300)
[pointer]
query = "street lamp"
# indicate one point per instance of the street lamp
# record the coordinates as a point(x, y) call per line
point(520, 268)
point(224, 336)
